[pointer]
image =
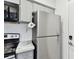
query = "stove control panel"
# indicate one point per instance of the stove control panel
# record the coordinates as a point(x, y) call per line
point(11, 35)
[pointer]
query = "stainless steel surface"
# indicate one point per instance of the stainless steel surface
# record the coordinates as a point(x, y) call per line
point(47, 48)
point(46, 35)
point(47, 24)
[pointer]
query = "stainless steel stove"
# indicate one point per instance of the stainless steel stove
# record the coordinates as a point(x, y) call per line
point(11, 41)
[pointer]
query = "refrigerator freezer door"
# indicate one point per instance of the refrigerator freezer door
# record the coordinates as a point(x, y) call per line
point(47, 24)
point(47, 48)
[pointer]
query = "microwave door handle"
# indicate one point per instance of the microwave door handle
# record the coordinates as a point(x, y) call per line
point(8, 12)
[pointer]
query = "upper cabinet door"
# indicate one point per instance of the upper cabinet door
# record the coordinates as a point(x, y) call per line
point(48, 3)
point(25, 11)
point(13, 1)
point(47, 24)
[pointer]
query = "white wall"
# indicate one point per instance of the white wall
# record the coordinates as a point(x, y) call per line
point(71, 27)
point(62, 9)
point(71, 16)
point(25, 33)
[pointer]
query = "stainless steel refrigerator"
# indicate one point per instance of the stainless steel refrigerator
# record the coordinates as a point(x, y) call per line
point(46, 35)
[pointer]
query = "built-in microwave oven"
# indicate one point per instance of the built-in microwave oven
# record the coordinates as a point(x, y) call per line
point(11, 12)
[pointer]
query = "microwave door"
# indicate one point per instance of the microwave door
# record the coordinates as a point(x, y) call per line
point(11, 12)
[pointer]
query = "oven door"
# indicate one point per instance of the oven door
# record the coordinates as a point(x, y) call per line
point(10, 57)
point(10, 46)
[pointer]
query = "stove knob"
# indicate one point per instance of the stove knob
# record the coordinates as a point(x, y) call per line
point(15, 35)
point(12, 36)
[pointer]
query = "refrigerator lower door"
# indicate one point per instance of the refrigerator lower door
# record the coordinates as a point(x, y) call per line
point(47, 23)
point(47, 48)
